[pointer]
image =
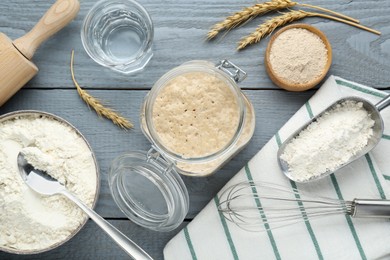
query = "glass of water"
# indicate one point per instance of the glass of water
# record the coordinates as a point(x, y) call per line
point(118, 34)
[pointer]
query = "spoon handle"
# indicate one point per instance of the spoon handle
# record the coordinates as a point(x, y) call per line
point(131, 248)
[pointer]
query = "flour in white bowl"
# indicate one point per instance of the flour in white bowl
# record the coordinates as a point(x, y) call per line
point(29, 221)
point(330, 141)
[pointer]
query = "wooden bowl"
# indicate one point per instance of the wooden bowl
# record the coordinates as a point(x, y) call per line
point(294, 86)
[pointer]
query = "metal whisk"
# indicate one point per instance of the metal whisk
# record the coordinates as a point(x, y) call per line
point(256, 206)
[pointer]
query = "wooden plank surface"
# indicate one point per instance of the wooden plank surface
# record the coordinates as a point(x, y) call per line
point(93, 244)
point(180, 29)
point(108, 141)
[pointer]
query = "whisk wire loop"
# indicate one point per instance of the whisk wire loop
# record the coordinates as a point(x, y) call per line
point(275, 205)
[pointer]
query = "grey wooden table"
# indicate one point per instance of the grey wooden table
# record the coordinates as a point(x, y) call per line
point(180, 29)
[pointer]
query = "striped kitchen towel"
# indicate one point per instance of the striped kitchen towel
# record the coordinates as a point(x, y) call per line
point(211, 236)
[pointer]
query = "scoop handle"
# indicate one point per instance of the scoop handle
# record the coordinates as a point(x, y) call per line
point(131, 248)
point(57, 17)
point(371, 208)
point(383, 103)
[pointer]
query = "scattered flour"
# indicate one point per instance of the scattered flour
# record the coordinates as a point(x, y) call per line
point(196, 114)
point(330, 141)
point(298, 56)
point(29, 221)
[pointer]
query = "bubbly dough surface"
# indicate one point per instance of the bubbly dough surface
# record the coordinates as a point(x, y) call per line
point(196, 114)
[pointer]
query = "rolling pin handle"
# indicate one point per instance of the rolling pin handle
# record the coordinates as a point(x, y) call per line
point(57, 17)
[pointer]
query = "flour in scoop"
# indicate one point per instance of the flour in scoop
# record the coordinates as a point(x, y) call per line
point(329, 142)
point(30, 221)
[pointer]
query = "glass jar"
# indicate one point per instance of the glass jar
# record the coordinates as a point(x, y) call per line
point(242, 131)
point(212, 120)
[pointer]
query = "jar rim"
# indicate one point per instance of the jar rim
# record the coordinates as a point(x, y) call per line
point(193, 66)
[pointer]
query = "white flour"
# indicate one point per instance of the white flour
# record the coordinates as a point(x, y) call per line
point(29, 221)
point(330, 141)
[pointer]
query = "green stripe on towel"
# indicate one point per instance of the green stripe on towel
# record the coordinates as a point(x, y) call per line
point(303, 212)
point(189, 243)
point(360, 89)
point(371, 92)
point(349, 220)
point(374, 93)
point(301, 206)
point(227, 232)
point(386, 137)
point(309, 110)
point(278, 141)
point(307, 223)
point(375, 175)
point(262, 213)
point(338, 191)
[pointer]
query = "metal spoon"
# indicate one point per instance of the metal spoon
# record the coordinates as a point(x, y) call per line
point(373, 110)
point(44, 184)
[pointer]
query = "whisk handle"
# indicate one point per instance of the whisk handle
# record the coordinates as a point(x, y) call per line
point(370, 208)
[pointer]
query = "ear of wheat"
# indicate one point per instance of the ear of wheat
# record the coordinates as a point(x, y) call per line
point(251, 12)
point(270, 25)
point(246, 14)
point(97, 105)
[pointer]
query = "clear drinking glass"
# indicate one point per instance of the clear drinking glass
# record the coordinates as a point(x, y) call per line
point(118, 34)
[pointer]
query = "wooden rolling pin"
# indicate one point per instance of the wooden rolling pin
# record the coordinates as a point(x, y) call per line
point(16, 69)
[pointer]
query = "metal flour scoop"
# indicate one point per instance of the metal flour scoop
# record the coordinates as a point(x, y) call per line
point(16, 69)
point(373, 110)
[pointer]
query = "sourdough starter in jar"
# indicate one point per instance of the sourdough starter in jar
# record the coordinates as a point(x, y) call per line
point(196, 115)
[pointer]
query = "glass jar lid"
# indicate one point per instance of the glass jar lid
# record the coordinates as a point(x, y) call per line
point(148, 190)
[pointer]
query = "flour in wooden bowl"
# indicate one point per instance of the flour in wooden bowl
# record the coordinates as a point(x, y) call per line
point(32, 223)
point(297, 57)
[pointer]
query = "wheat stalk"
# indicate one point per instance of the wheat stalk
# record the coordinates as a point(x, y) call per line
point(247, 13)
point(251, 12)
point(270, 25)
point(97, 105)
point(346, 17)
